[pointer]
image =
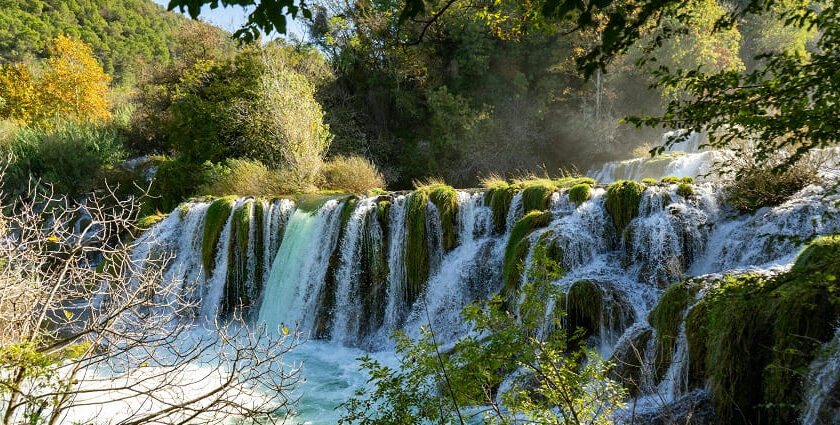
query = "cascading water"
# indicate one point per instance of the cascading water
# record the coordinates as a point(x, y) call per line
point(340, 273)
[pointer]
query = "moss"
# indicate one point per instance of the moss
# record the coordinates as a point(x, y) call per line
point(148, 221)
point(236, 293)
point(445, 199)
point(499, 198)
point(383, 214)
point(686, 190)
point(377, 191)
point(214, 222)
point(583, 308)
point(666, 318)
point(313, 202)
point(567, 182)
point(687, 179)
point(373, 279)
point(649, 181)
point(416, 246)
point(517, 249)
point(670, 179)
point(754, 337)
point(183, 210)
point(628, 362)
point(347, 208)
point(579, 193)
point(536, 194)
point(622, 203)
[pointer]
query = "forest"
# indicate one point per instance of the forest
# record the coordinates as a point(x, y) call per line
point(420, 212)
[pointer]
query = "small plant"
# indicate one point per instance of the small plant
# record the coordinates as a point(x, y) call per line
point(685, 190)
point(353, 174)
point(579, 193)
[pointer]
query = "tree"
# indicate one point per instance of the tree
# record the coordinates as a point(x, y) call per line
point(121, 334)
point(73, 87)
point(515, 367)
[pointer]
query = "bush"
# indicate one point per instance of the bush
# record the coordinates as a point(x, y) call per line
point(353, 174)
point(70, 156)
point(245, 177)
point(174, 182)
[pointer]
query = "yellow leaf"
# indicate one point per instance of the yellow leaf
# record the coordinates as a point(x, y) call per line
point(68, 314)
point(285, 330)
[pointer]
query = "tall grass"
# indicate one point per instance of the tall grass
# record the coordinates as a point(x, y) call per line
point(351, 174)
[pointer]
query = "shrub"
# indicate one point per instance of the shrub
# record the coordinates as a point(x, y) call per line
point(685, 190)
point(246, 177)
point(174, 182)
point(70, 156)
point(579, 193)
point(353, 174)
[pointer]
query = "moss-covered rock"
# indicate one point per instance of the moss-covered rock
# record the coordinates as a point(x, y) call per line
point(517, 249)
point(214, 222)
point(666, 318)
point(579, 193)
point(148, 221)
point(584, 305)
point(687, 179)
point(670, 180)
point(567, 182)
point(536, 194)
point(445, 199)
point(499, 198)
point(754, 337)
point(622, 203)
point(383, 214)
point(649, 181)
point(237, 294)
point(416, 246)
point(686, 190)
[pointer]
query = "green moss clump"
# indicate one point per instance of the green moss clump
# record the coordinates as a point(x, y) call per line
point(445, 199)
point(183, 210)
point(347, 209)
point(517, 249)
point(622, 203)
point(148, 221)
point(584, 305)
point(536, 194)
point(416, 246)
point(236, 293)
point(686, 190)
point(649, 181)
point(754, 337)
point(687, 179)
point(499, 198)
point(214, 222)
point(670, 180)
point(567, 182)
point(579, 193)
point(666, 318)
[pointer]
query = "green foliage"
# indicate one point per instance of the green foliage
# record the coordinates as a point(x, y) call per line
point(120, 32)
point(687, 179)
point(567, 182)
point(383, 214)
point(245, 177)
point(214, 222)
point(72, 157)
point(579, 193)
point(237, 294)
point(517, 249)
point(557, 384)
point(666, 318)
point(500, 197)
point(649, 181)
point(670, 180)
point(754, 337)
point(623, 198)
point(416, 246)
point(266, 16)
point(686, 190)
point(174, 182)
point(148, 221)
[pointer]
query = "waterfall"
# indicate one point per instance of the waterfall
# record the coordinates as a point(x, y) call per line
point(822, 394)
point(297, 274)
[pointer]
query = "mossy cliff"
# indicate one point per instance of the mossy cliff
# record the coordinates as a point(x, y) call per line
point(666, 318)
point(214, 222)
point(237, 294)
point(445, 199)
point(416, 246)
point(622, 203)
point(753, 337)
point(498, 198)
point(517, 249)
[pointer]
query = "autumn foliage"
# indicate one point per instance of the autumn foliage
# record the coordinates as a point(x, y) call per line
point(72, 87)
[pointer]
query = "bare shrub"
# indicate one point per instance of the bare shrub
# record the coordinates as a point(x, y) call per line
point(354, 174)
point(753, 184)
point(118, 343)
